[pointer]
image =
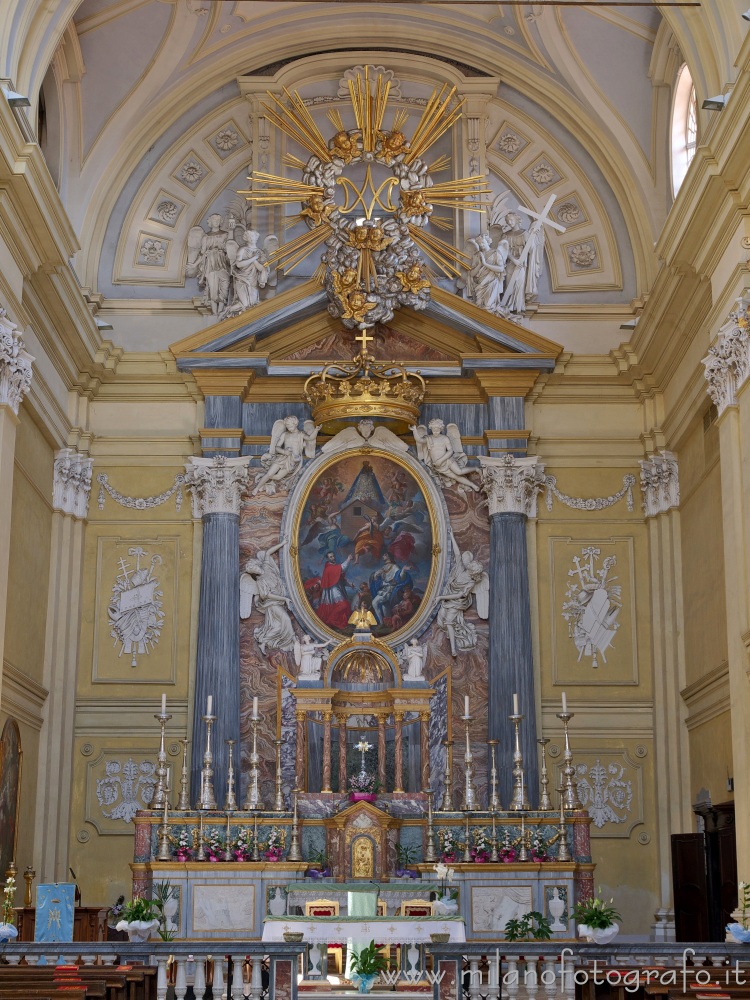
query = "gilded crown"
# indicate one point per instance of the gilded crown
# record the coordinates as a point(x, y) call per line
point(364, 387)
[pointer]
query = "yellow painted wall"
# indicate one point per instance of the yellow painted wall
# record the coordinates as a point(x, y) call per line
point(711, 758)
point(702, 555)
point(28, 577)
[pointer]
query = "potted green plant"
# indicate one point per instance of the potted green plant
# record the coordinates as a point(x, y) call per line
point(596, 919)
point(532, 926)
point(367, 964)
point(319, 865)
point(139, 918)
point(405, 856)
point(164, 899)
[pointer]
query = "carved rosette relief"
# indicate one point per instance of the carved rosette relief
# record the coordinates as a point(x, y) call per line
point(727, 364)
point(512, 484)
point(216, 484)
point(660, 483)
point(15, 364)
point(71, 483)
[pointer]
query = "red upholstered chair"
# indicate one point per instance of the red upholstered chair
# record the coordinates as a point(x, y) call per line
point(328, 908)
point(416, 908)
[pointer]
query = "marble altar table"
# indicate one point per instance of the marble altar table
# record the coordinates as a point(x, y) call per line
point(384, 930)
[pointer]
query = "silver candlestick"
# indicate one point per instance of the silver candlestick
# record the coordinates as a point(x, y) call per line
point(165, 853)
point(494, 803)
point(563, 854)
point(467, 850)
point(523, 851)
point(447, 804)
point(231, 802)
point(295, 854)
point(200, 854)
point(545, 803)
point(429, 853)
point(207, 799)
point(256, 853)
point(183, 803)
point(278, 803)
point(160, 791)
point(494, 856)
point(470, 800)
point(571, 788)
point(253, 800)
point(519, 802)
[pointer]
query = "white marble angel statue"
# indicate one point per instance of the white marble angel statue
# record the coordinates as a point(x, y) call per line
point(485, 280)
point(250, 271)
point(304, 656)
point(441, 450)
point(415, 654)
point(261, 584)
point(289, 447)
point(207, 261)
point(467, 580)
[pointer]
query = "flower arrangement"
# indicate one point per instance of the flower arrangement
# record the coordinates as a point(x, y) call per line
point(273, 849)
point(9, 895)
point(539, 847)
point(446, 875)
point(405, 856)
point(215, 850)
point(241, 849)
point(507, 852)
point(114, 913)
point(138, 910)
point(481, 848)
point(363, 784)
point(449, 846)
point(740, 931)
point(183, 846)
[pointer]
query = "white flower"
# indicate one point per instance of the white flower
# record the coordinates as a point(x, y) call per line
point(441, 870)
point(450, 874)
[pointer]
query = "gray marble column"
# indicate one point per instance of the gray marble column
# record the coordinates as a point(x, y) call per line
point(511, 485)
point(216, 486)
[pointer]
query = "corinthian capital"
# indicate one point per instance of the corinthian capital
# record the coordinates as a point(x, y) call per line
point(71, 483)
point(660, 483)
point(217, 484)
point(512, 484)
point(727, 363)
point(15, 364)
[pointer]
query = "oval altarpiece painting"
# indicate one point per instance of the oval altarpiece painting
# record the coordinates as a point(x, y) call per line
point(365, 536)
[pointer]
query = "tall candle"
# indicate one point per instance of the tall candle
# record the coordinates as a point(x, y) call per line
point(163, 704)
point(209, 704)
point(515, 704)
point(565, 704)
point(466, 705)
point(255, 706)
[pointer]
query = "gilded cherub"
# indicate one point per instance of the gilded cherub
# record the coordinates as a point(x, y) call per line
point(344, 146)
point(413, 203)
point(413, 279)
point(392, 144)
point(316, 209)
point(369, 238)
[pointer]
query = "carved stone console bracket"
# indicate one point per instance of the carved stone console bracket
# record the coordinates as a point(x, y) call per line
point(141, 503)
point(660, 483)
point(15, 364)
point(71, 483)
point(727, 364)
point(592, 503)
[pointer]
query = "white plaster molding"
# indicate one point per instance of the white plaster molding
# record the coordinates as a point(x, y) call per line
point(660, 483)
point(511, 483)
point(217, 484)
point(71, 483)
point(727, 364)
point(23, 697)
point(15, 364)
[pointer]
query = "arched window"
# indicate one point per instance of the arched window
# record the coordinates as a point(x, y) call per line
point(684, 127)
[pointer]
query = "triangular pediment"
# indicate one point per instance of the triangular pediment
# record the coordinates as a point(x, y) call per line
point(452, 342)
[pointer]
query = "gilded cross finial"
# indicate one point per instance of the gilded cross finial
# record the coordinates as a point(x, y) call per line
point(364, 338)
